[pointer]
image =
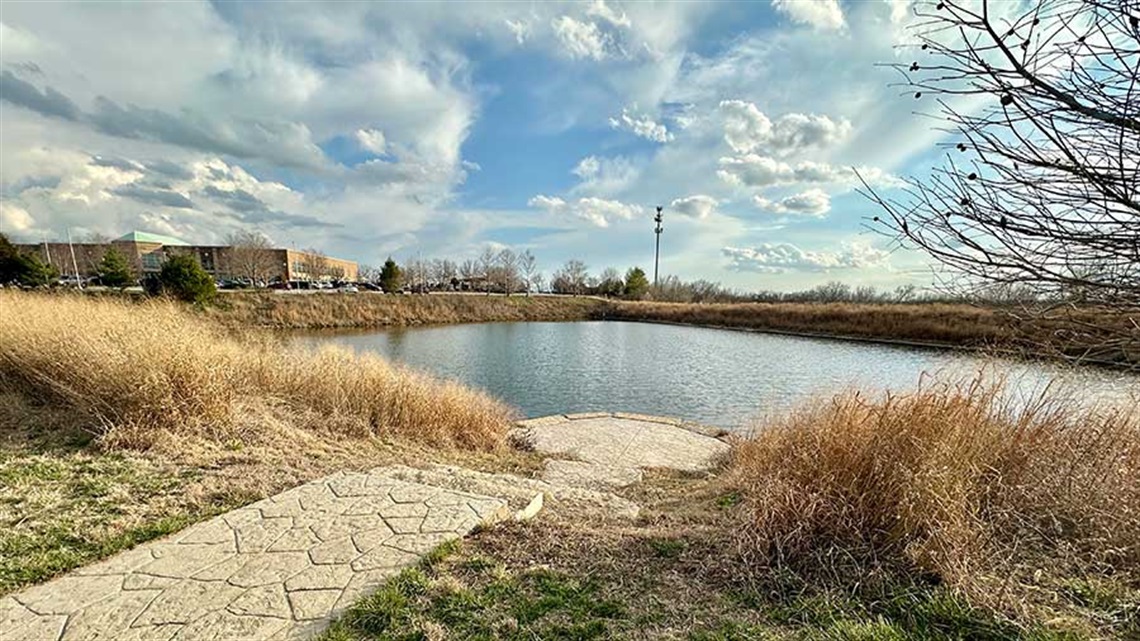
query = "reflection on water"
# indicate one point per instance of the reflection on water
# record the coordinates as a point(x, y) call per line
point(715, 376)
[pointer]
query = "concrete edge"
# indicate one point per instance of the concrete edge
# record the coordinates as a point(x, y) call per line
point(690, 426)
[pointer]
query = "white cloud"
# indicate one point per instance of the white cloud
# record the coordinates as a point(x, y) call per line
point(17, 43)
point(824, 15)
point(604, 176)
point(747, 129)
point(813, 202)
point(778, 258)
point(900, 10)
point(14, 218)
point(371, 140)
point(698, 206)
point(520, 29)
point(587, 168)
point(642, 126)
point(580, 39)
point(751, 170)
point(599, 9)
point(598, 211)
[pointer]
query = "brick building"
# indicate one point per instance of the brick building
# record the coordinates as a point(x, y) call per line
point(147, 252)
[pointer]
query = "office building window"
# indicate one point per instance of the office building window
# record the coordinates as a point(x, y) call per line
point(152, 261)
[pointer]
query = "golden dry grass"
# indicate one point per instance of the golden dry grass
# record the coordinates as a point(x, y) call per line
point(369, 309)
point(949, 482)
point(1091, 334)
point(928, 322)
point(152, 370)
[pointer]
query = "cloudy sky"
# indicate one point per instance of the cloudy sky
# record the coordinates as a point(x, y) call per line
point(369, 130)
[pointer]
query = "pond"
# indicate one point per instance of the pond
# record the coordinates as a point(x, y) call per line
point(718, 377)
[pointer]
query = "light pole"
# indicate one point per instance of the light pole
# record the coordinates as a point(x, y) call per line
point(657, 252)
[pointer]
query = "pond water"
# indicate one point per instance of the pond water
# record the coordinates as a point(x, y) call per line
point(718, 377)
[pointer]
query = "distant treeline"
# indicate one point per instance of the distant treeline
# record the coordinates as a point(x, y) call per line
point(509, 272)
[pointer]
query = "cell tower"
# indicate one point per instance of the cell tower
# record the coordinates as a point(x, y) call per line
point(657, 252)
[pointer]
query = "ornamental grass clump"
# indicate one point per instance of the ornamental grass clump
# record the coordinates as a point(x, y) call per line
point(951, 483)
point(137, 371)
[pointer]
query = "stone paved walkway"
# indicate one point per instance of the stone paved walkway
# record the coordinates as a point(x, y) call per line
point(611, 449)
point(283, 567)
point(277, 569)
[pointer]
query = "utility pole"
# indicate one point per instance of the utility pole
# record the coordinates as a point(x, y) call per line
point(657, 252)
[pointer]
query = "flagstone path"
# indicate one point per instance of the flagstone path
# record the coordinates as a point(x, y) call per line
point(284, 567)
point(277, 569)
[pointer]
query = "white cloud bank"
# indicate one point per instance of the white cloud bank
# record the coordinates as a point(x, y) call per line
point(777, 258)
point(813, 203)
point(747, 129)
point(598, 211)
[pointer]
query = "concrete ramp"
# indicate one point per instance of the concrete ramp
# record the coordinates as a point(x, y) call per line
point(610, 450)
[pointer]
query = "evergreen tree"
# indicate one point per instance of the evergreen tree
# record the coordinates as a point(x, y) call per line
point(114, 271)
point(636, 284)
point(183, 278)
point(390, 276)
point(26, 270)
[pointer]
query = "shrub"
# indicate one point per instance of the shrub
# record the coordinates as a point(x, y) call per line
point(950, 481)
point(183, 278)
point(114, 271)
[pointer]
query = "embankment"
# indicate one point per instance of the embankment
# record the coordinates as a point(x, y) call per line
point(321, 310)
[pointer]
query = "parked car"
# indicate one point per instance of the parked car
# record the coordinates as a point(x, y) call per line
point(348, 288)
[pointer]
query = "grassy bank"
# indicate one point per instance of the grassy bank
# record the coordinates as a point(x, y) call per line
point(332, 310)
point(1095, 335)
point(960, 325)
point(123, 420)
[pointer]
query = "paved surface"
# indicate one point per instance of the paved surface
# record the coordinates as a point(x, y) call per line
point(611, 449)
point(276, 569)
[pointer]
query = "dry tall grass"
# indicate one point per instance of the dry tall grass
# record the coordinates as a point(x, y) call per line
point(367, 309)
point(949, 481)
point(141, 370)
point(1091, 334)
point(934, 322)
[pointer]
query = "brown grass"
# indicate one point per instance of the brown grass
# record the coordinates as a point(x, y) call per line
point(949, 482)
point(149, 370)
point(1104, 336)
point(369, 309)
point(935, 322)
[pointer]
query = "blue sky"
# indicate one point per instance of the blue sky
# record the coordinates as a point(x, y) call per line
point(368, 130)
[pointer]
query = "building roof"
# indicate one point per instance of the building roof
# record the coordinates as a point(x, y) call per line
point(146, 237)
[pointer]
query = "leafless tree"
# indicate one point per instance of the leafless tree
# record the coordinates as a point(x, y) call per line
point(1040, 186)
point(487, 261)
point(528, 268)
point(368, 274)
point(571, 278)
point(611, 283)
point(469, 271)
point(506, 272)
point(315, 264)
point(249, 255)
point(443, 273)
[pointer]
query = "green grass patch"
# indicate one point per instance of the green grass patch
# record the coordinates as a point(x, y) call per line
point(69, 507)
point(476, 599)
